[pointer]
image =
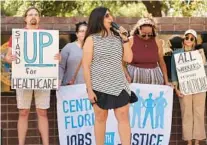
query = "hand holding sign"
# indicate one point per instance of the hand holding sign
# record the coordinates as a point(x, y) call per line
point(178, 93)
point(9, 58)
point(57, 57)
point(71, 82)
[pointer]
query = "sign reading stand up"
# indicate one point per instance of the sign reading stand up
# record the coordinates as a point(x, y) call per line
point(35, 66)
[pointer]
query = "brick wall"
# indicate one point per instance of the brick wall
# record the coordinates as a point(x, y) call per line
point(9, 112)
point(9, 116)
point(67, 24)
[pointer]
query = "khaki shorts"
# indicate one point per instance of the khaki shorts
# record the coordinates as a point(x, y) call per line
point(24, 98)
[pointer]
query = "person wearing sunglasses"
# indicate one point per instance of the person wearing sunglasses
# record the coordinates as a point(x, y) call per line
point(148, 65)
point(70, 71)
point(107, 87)
point(192, 106)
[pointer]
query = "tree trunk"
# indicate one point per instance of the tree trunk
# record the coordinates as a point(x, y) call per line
point(153, 7)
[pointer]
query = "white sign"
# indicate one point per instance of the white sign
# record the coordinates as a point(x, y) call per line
point(150, 117)
point(191, 73)
point(35, 67)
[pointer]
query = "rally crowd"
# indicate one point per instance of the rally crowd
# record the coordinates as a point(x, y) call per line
point(106, 59)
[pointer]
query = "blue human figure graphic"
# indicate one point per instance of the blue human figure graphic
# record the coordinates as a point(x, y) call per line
point(149, 104)
point(137, 109)
point(109, 138)
point(161, 103)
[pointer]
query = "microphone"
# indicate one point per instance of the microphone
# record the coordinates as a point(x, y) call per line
point(116, 27)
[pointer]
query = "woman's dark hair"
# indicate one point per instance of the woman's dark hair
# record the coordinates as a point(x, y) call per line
point(78, 25)
point(31, 8)
point(95, 23)
point(176, 42)
point(204, 37)
point(136, 31)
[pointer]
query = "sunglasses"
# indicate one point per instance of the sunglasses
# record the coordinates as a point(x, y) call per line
point(145, 35)
point(82, 31)
point(190, 38)
point(30, 15)
point(107, 15)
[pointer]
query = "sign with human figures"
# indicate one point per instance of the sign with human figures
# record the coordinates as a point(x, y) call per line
point(150, 117)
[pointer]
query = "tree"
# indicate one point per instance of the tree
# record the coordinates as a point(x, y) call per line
point(73, 8)
point(187, 8)
point(154, 7)
point(118, 8)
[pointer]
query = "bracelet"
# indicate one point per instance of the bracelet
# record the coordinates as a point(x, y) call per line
point(125, 41)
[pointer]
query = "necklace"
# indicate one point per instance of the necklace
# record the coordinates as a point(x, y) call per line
point(188, 48)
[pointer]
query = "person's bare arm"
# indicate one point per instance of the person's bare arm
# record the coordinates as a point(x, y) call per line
point(201, 51)
point(86, 63)
point(162, 62)
point(128, 77)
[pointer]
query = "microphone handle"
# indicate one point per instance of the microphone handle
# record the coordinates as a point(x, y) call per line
point(125, 33)
point(116, 27)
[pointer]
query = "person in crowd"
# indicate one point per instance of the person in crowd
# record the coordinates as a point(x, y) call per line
point(148, 65)
point(203, 45)
point(70, 70)
point(175, 42)
point(24, 97)
point(192, 106)
point(107, 87)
